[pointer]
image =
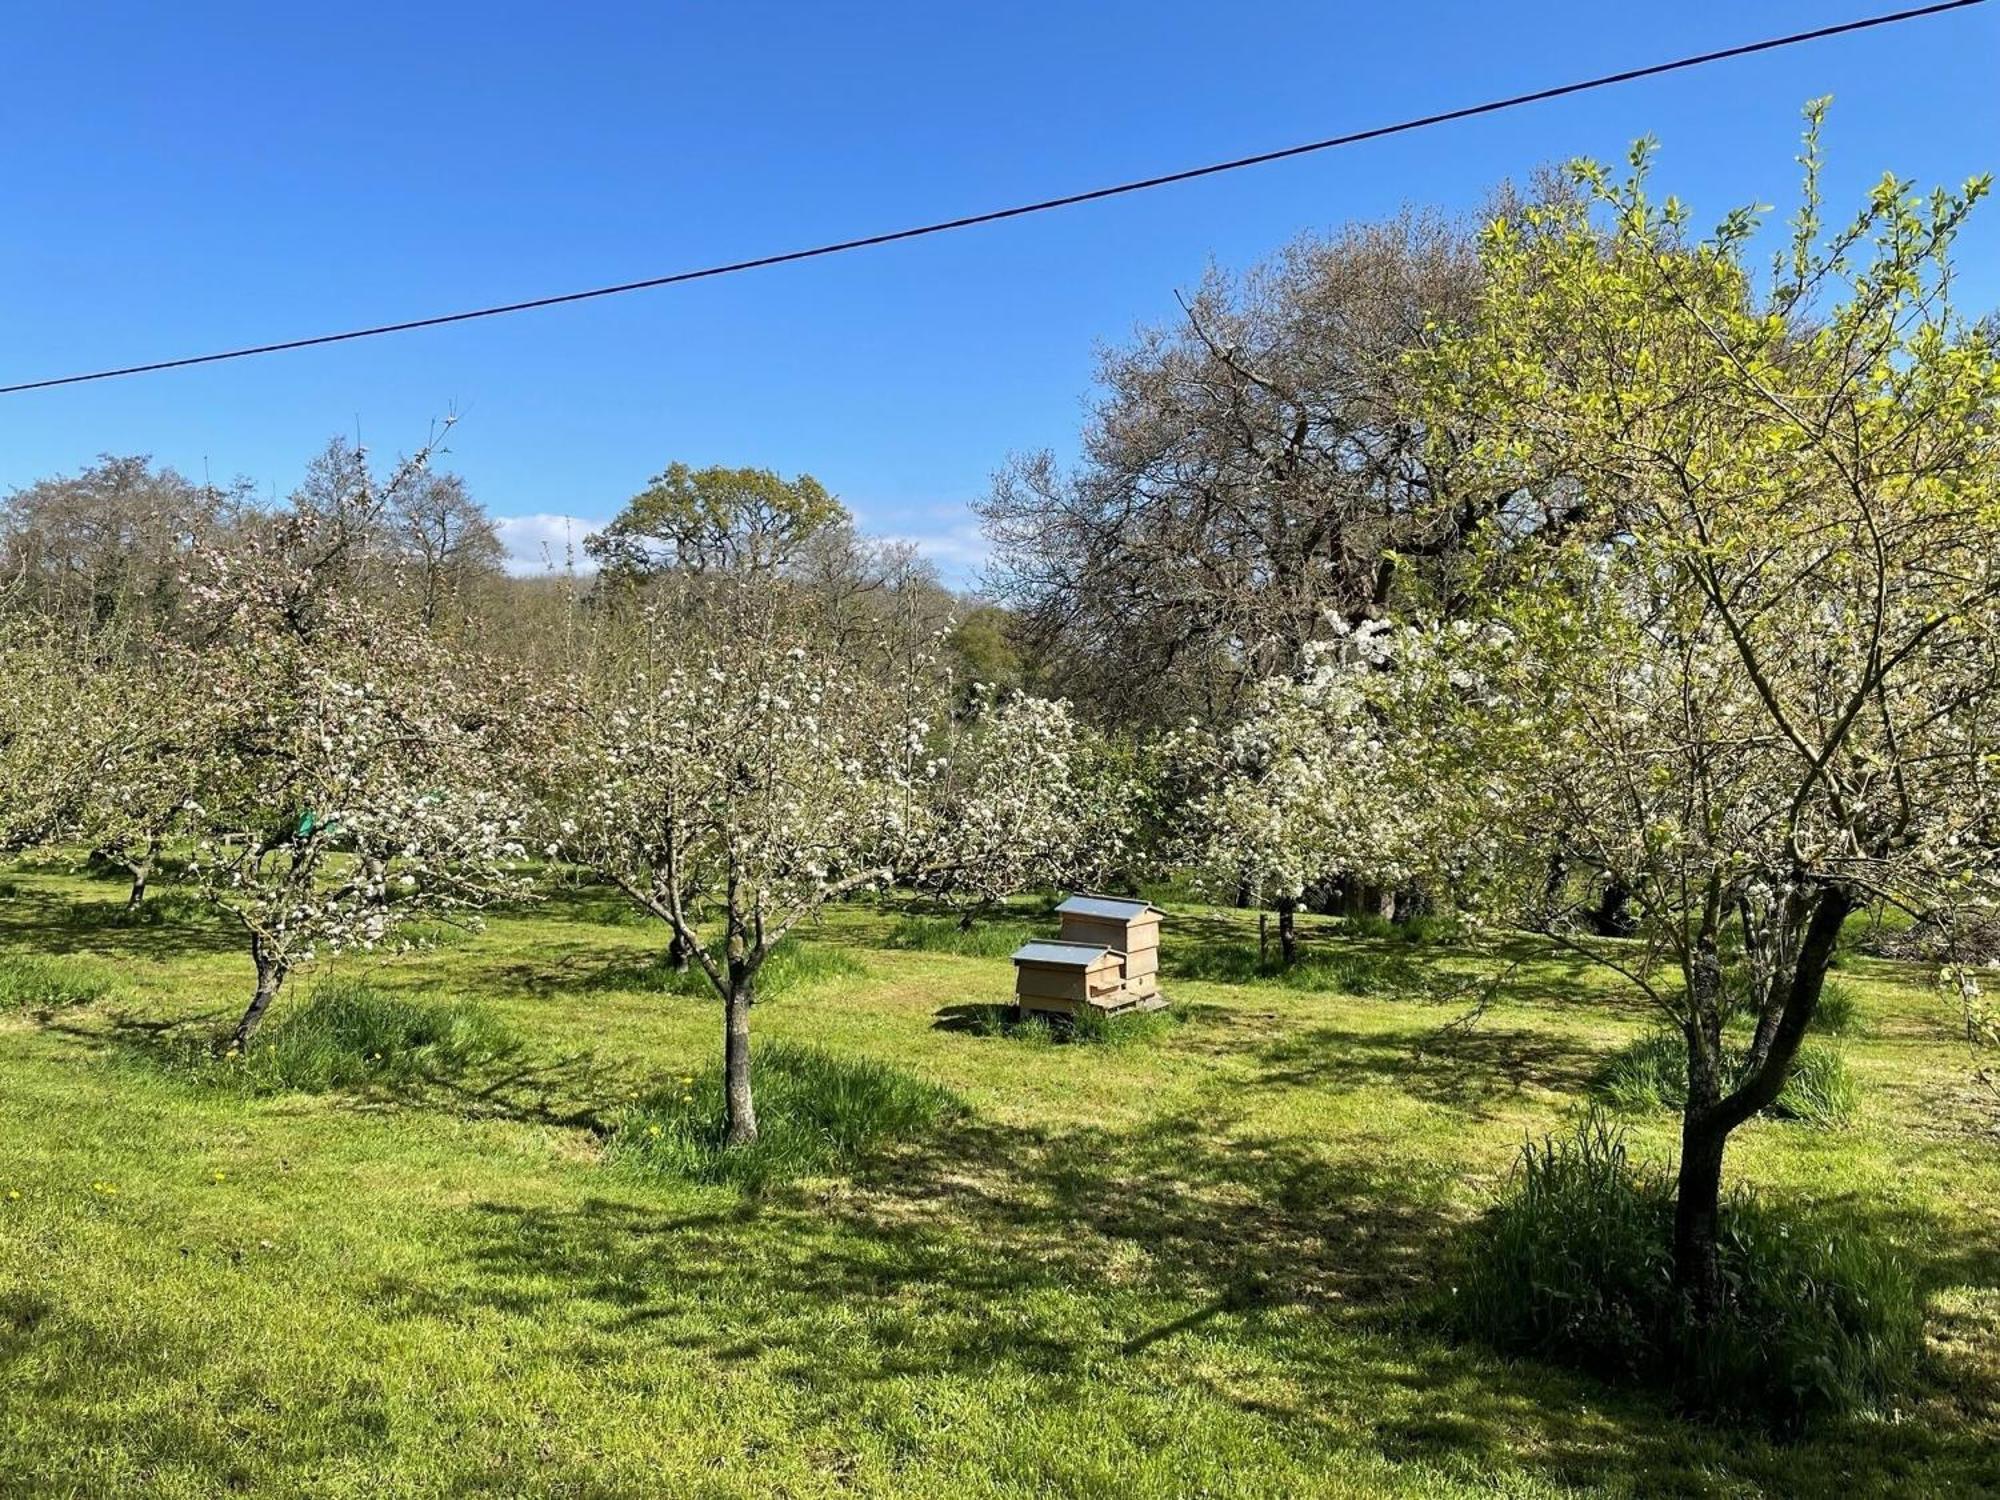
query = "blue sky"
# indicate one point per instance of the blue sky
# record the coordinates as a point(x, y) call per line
point(188, 177)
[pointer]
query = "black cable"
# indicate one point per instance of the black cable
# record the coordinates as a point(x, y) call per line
point(993, 216)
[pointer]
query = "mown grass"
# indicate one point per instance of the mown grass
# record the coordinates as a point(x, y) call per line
point(794, 967)
point(1201, 1265)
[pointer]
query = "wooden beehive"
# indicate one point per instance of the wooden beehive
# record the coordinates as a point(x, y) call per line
point(1064, 978)
point(1125, 926)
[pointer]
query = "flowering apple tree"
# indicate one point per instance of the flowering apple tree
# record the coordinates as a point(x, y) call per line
point(1018, 795)
point(724, 757)
point(740, 755)
point(149, 747)
point(1337, 769)
point(1759, 652)
point(349, 769)
point(50, 702)
point(351, 794)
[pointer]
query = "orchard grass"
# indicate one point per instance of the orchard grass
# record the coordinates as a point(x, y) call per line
point(1206, 1260)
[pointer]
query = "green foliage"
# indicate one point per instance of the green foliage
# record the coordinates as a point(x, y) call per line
point(983, 648)
point(40, 984)
point(1575, 1264)
point(715, 518)
point(988, 939)
point(1178, 889)
point(351, 1035)
point(818, 1113)
point(1651, 1073)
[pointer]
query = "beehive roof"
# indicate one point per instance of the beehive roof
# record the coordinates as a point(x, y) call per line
point(1061, 955)
point(1112, 908)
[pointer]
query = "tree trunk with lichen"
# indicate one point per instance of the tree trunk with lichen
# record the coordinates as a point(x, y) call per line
point(270, 979)
point(739, 1108)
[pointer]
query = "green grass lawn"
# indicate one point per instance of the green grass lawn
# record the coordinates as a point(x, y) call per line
point(1202, 1260)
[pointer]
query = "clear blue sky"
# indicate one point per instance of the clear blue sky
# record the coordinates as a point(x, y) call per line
point(185, 177)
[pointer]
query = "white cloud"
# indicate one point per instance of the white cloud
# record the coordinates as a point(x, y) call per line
point(958, 548)
point(959, 553)
point(545, 543)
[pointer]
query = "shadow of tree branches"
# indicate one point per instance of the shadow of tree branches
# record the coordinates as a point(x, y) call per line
point(1093, 1255)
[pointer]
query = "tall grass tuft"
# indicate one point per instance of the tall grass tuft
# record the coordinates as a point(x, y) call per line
point(350, 1035)
point(41, 984)
point(1091, 1029)
point(817, 1113)
point(1819, 1090)
point(1839, 1010)
point(1575, 1264)
point(1419, 931)
point(1651, 1073)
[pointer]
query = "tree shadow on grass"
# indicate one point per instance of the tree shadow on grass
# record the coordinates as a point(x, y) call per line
point(1254, 1269)
point(1519, 968)
point(114, 1388)
point(973, 1019)
point(512, 1084)
point(644, 973)
point(54, 923)
point(976, 1225)
point(1472, 1070)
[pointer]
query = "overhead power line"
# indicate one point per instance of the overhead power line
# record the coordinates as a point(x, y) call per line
point(1022, 210)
